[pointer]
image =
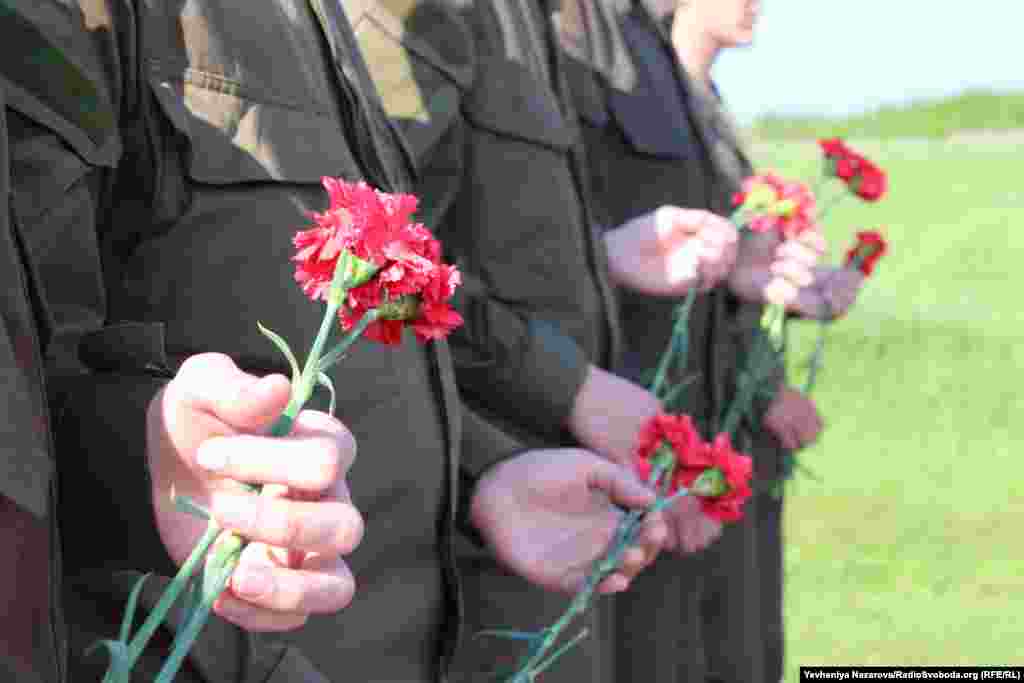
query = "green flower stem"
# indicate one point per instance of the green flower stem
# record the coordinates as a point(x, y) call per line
point(825, 207)
point(312, 368)
point(754, 373)
point(678, 345)
point(224, 558)
point(216, 575)
point(342, 347)
point(817, 356)
point(170, 595)
point(535, 660)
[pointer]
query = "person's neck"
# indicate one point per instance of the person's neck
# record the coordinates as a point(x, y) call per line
point(695, 49)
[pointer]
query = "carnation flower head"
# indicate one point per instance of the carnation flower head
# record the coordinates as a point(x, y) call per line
point(411, 284)
point(776, 204)
point(675, 431)
point(865, 254)
point(862, 176)
point(734, 470)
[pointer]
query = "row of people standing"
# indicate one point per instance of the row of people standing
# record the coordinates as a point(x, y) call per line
point(576, 124)
point(149, 218)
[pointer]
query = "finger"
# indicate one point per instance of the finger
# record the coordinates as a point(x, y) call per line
point(616, 583)
point(814, 240)
point(654, 535)
point(257, 619)
point(327, 526)
point(717, 230)
point(713, 530)
point(797, 273)
point(794, 250)
point(619, 484)
point(791, 436)
point(324, 585)
point(671, 543)
point(211, 383)
point(633, 562)
point(317, 453)
point(674, 222)
point(780, 292)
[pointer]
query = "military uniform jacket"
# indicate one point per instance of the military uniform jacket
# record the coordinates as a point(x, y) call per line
point(31, 640)
point(478, 92)
point(654, 137)
point(167, 233)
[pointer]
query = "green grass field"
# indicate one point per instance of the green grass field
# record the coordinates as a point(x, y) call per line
point(974, 110)
point(911, 548)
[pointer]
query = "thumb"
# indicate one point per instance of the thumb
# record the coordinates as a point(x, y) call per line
point(620, 485)
point(672, 223)
point(211, 389)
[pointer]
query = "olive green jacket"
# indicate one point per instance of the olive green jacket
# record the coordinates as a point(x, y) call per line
point(163, 230)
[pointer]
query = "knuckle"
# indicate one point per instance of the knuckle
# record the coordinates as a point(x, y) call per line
point(204, 362)
point(346, 590)
point(350, 530)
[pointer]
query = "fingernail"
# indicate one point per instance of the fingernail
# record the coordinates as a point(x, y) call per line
point(211, 459)
point(250, 583)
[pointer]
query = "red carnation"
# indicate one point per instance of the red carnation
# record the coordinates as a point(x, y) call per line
point(680, 435)
point(862, 176)
point(871, 182)
point(736, 470)
point(377, 227)
point(777, 204)
point(834, 148)
point(865, 254)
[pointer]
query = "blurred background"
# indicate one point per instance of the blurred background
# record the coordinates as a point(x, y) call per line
point(908, 549)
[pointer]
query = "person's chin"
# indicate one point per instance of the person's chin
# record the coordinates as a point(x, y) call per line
point(743, 38)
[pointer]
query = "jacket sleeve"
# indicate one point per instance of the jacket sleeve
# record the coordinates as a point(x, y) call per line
point(507, 359)
point(424, 61)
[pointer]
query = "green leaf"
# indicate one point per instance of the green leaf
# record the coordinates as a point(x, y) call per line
point(510, 635)
point(130, 608)
point(187, 504)
point(283, 347)
point(324, 380)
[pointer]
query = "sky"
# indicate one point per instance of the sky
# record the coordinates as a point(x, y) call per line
point(839, 57)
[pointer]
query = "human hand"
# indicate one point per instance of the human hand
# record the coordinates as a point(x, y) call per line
point(689, 529)
point(205, 436)
point(549, 514)
point(609, 412)
point(793, 419)
point(830, 296)
point(670, 250)
point(770, 270)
